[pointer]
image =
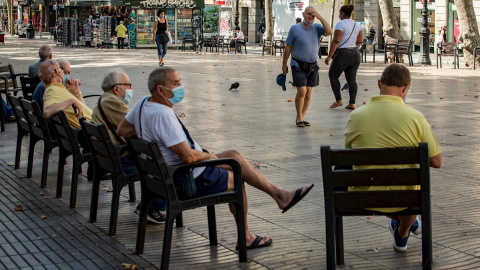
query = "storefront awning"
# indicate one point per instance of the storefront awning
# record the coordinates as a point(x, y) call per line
point(93, 3)
point(154, 4)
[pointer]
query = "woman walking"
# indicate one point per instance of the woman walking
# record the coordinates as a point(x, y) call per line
point(160, 35)
point(345, 56)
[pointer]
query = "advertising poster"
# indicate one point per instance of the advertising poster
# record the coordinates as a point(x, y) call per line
point(285, 12)
point(210, 19)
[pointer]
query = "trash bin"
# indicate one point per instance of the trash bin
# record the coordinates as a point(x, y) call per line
point(30, 32)
point(2, 38)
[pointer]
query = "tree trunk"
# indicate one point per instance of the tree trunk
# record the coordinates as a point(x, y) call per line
point(268, 24)
point(468, 29)
point(390, 26)
point(11, 24)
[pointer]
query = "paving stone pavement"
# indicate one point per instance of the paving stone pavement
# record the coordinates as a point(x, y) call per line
point(258, 120)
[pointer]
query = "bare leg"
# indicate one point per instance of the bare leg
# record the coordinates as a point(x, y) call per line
point(405, 224)
point(254, 178)
point(306, 101)
point(300, 102)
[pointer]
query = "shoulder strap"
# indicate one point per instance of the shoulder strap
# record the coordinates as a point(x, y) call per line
point(354, 24)
point(140, 118)
point(109, 125)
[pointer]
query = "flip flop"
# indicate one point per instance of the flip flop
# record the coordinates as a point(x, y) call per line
point(256, 243)
point(298, 197)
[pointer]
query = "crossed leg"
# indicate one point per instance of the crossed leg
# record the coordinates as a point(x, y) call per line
point(254, 178)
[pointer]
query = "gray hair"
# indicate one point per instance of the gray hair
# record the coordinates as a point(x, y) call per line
point(113, 77)
point(158, 76)
point(63, 62)
point(121, 22)
point(45, 51)
point(47, 71)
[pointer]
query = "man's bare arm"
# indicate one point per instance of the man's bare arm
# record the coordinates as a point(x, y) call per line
point(188, 155)
point(436, 161)
point(52, 110)
point(286, 55)
point(127, 130)
point(326, 26)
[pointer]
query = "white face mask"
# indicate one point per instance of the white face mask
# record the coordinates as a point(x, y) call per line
point(128, 96)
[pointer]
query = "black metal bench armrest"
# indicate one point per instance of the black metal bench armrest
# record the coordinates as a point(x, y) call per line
point(213, 162)
point(96, 95)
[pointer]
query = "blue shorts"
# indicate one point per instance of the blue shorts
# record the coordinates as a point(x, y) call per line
point(212, 180)
point(302, 78)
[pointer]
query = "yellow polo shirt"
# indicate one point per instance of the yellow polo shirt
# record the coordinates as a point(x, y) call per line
point(57, 93)
point(386, 122)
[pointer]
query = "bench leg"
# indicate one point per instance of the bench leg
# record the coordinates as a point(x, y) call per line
point(339, 240)
point(142, 224)
point(212, 225)
point(167, 239)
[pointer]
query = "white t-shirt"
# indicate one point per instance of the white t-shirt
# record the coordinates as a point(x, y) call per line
point(346, 26)
point(160, 124)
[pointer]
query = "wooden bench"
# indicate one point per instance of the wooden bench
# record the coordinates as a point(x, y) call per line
point(448, 49)
point(340, 202)
point(404, 47)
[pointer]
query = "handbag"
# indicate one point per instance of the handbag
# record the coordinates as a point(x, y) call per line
point(335, 53)
point(185, 181)
point(169, 38)
point(162, 38)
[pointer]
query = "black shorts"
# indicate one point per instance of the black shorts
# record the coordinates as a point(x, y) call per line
point(302, 78)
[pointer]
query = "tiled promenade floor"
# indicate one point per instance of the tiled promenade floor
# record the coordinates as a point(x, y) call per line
point(258, 120)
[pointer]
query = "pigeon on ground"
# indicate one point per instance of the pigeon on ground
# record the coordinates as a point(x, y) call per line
point(234, 86)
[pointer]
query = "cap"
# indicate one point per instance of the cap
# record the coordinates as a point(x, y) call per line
point(281, 79)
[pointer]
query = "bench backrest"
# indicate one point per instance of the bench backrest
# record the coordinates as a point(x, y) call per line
point(105, 154)
point(28, 86)
point(18, 111)
point(404, 46)
point(5, 72)
point(66, 135)
point(152, 167)
point(447, 48)
point(344, 202)
point(37, 122)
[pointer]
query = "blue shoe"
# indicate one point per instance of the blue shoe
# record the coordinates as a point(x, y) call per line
point(416, 227)
point(399, 244)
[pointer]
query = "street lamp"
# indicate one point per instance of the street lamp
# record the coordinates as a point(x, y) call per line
point(236, 13)
point(425, 36)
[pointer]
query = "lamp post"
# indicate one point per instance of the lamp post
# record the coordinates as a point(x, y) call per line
point(236, 13)
point(425, 37)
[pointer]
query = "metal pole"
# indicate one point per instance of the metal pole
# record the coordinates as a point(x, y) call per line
point(425, 37)
point(236, 13)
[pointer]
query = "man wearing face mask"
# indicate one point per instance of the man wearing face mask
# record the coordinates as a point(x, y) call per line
point(110, 111)
point(58, 96)
point(303, 42)
point(386, 122)
point(40, 90)
point(153, 119)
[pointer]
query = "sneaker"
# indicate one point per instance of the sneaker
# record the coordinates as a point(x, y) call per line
point(416, 227)
point(154, 216)
point(399, 244)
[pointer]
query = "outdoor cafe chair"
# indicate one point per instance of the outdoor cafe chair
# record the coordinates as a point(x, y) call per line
point(29, 84)
point(39, 130)
point(404, 47)
point(22, 125)
point(340, 202)
point(157, 180)
point(69, 140)
point(106, 157)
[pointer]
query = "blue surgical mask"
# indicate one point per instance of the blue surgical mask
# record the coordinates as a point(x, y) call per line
point(307, 23)
point(65, 77)
point(128, 96)
point(178, 94)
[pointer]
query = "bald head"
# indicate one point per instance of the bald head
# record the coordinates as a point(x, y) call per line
point(47, 71)
point(45, 52)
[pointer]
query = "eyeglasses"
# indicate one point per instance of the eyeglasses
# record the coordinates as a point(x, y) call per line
point(127, 84)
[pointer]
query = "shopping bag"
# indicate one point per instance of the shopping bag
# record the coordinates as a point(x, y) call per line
point(169, 38)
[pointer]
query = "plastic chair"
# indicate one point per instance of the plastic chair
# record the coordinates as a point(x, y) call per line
point(106, 156)
point(157, 181)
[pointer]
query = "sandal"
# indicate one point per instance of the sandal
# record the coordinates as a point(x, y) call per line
point(350, 107)
point(299, 124)
point(307, 124)
point(336, 104)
